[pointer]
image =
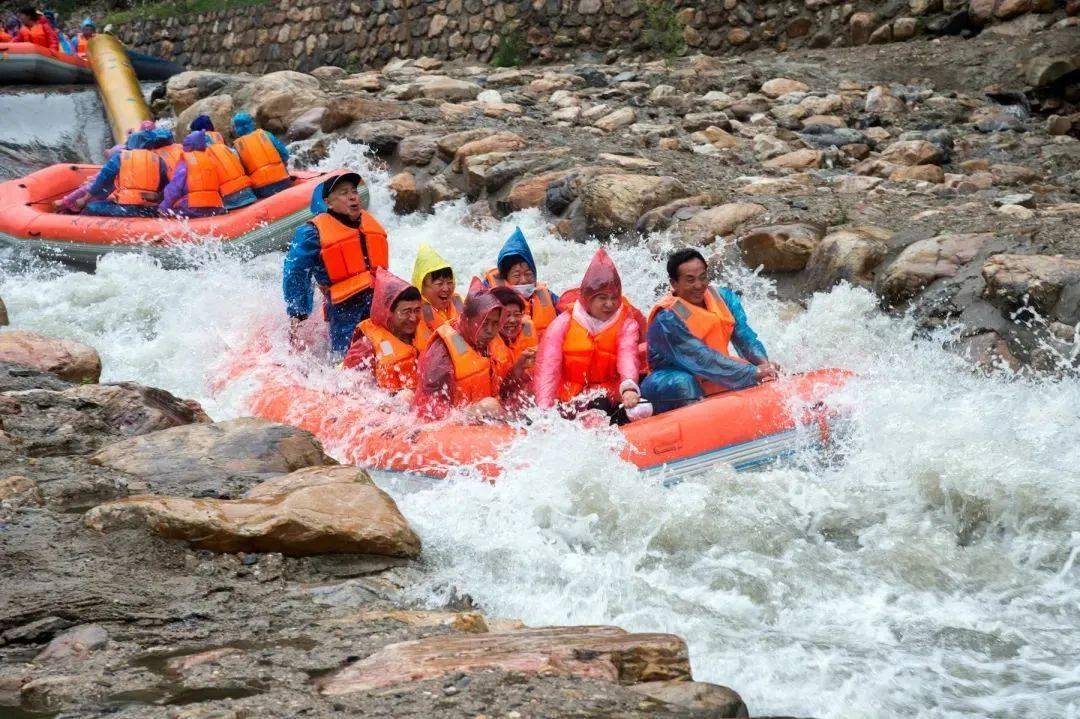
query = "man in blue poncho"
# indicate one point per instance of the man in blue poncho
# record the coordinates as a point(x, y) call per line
point(133, 179)
point(339, 248)
point(690, 336)
point(516, 268)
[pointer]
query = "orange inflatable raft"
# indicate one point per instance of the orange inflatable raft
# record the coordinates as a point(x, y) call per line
point(24, 63)
point(742, 429)
point(28, 222)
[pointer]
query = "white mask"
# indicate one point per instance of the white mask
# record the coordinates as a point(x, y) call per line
point(525, 291)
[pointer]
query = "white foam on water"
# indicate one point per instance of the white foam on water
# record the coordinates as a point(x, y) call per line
point(930, 572)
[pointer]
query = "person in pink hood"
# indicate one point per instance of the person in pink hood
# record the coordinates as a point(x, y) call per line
point(457, 369)
point(386, 344)
point(593, 348)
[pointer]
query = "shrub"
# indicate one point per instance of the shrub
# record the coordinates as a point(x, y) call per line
point(662, 31)
point(511, 49)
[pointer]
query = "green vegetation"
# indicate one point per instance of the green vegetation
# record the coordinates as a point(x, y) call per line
point(511, 49)
point(175, 8)
point(663, 30)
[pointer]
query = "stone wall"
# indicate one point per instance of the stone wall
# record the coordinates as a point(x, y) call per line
point(304, 34)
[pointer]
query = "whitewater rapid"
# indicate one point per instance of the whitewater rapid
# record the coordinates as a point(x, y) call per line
point(930, 571)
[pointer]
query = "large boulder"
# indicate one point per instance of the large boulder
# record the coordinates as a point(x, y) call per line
point(713, 700)
point(71, 360)
point(183, 89)
point(780, 248)
point(596, 652)
point(927, 260)
point(614, 202)
point(382, 136)
point(441, 87)
point(449, 144)
point(134, 409)
point(846, 255)
point(320, 510)
point(1048, 283)
point(499, 142)
point(278, 98)
point(705, 226)
point(220, 108)
point(531, 191)
point(220, 459)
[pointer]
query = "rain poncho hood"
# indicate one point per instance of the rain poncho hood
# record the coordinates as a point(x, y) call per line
point(514, 250)
point(89, 23)
point(141, 140)
point(478, 306)
point(195, 141)
point(243, 124)
point(202, 122)
point(388, 287)
point(427, 261)
point(601, 276)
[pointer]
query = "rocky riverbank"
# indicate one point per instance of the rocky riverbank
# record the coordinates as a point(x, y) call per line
point(159, 564)
point(940, 174)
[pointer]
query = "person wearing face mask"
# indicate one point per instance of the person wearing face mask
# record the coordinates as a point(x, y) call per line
point(434, 277)
point(338, 249)
point(593, 347)
point(691, 334)
point(457, 369)
point(516, 269)
point(386, 344)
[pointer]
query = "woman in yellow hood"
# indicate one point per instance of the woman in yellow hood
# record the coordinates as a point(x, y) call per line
point(434, 277)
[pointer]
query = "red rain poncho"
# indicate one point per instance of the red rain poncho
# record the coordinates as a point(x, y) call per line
point(435, 389)
point(601, 276)
point(386, 289)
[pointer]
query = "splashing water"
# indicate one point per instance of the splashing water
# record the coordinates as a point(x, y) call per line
point(932, 572)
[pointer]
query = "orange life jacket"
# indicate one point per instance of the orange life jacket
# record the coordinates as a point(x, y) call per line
point(261, 159)
point(216, 137)
point(83, 46)
point(350, 254)
point(475, 376)
point(203, 185)
point(139, 179)
point(506, 354)
point(171, 154)
point(4, 36)
point(433, 319)
point(590, 361)
point(230, 170)
point(395, 361)
point(712, 324)
point(542, 308)
point(36, 33)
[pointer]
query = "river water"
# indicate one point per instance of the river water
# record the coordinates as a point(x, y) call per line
point(929, 572)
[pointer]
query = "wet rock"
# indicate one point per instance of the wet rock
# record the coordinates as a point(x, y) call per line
point(846, 255)
point(797, 160)
point(780, 86)
point(67, 359)
point(340, 111)
point(989, 352)
point(913, 152)
point(132, 409)
point(306, 125)
point(4, 321)
point(706, 226)
point(19, 491)
point(184, 89)
point(218, 459)
point(220, 108)
point(614, 202)
point(438, 189)
point(499, 142)
point(383, 136)
point(660, 218)
point(75, 643)
point(918, 173)
point(881, 101)
point(334, 510)
point(468, 622)
point(927, 260)
point(605, 653)
point(406, 196)
point(417, 151)
point(441, 87)
point(780, 248)
point(713, 700)
point(622, 117)
point(531, 191)
point(1048, 283)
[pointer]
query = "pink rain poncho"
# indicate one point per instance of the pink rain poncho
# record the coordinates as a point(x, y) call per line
point(435, 388)
point(386, 289)
point(601, 276)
